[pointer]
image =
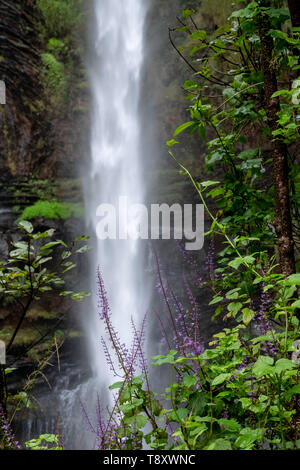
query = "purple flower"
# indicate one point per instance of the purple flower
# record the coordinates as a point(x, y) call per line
point(7, 432)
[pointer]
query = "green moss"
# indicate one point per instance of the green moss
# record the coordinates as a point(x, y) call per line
point(60, 23)
point(60, 16)
point(52, 210)
point(55, 80)
point(25, 336)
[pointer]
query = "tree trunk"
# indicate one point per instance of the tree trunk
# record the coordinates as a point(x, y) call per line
point(294, 8)
point(282, 222)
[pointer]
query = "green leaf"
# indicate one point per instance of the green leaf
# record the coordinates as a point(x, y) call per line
point(82, 239)
point(236, 263)
point(220, 444)
point(189, 381)
point(9, 370)
point(283, 364)
point(247, 315)
point(140, 421)
point(215, 300)
point(172, 142)
point(178, 415)
point(181, 128)
point(292, 391)
point(206, 184)
point(233, 294)
point(248, 154)
point(80, 295)
point(47, 246)
point(247, 438)
point(83, 249)
point(186, 13)
point(263, 366)
point(167, 359)
point(190, 85)
point(136, 402)
point(25, 225)
point(275, 33)
point(230, 424)
point(214, 157)
point(220, 379)
point(293, 280)
point(116, 385)
point(234, 307)
point(199, 35)
point(241, 260)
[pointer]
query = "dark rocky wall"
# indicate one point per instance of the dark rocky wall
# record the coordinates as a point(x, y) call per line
point(35, 140)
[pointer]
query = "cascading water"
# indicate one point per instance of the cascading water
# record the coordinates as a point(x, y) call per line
point(115, 172)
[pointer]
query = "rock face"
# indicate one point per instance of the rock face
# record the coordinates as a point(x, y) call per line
point(19, 68)
point(33, 141)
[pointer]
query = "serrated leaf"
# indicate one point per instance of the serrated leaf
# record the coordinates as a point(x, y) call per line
point(178, 415)
point(189, 381)
point(220, 379)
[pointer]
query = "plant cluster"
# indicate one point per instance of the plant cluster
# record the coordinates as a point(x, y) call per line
point(61, 21)
point(35, 267)
point(242, 391)
point(52, 210)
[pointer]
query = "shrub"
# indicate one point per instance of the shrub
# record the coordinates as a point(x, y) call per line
point(52, 210)
point(60, 16)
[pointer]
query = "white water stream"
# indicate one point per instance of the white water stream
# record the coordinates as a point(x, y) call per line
point(115, 73)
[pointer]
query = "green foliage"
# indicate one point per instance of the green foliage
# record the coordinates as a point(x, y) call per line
point(35, 267)
point(242, 392)
point(229, 62)
point(32, 270)
point(229, 398)
point(60, 26)
point(52, 210)
point(54, 78)
point(60, 16)
point(44, 442)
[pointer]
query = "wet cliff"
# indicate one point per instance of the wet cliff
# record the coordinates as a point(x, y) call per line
point(43, 138)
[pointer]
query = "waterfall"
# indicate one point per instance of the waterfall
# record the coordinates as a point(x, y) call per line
point(115, 171)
